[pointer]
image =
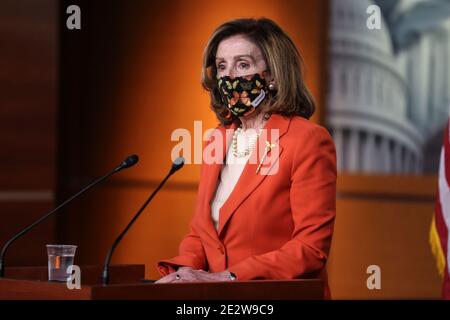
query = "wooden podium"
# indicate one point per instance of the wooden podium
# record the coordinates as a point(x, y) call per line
point(127, 283)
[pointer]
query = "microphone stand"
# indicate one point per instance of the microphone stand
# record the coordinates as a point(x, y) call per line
point(179, 162)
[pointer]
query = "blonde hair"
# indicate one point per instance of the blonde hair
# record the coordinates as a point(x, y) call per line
point(283, 62)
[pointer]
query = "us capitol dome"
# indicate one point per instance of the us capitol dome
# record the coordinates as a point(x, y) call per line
point(378, 111)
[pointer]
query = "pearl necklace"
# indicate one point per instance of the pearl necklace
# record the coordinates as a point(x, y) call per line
point(249, 148)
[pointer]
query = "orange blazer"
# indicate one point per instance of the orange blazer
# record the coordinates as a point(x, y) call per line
point(272, 226)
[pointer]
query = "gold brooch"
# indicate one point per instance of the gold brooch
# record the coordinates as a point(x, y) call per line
point(266, 151)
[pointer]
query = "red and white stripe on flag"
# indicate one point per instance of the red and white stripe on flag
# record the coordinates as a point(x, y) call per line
point(439, 238)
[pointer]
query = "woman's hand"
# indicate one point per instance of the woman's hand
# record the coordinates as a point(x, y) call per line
point(187, 274)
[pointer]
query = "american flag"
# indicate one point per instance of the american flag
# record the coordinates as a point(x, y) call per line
point(440, 225)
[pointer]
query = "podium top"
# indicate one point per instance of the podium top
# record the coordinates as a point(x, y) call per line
point(127, 283)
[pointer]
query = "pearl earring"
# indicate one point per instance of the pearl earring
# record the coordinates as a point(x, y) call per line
point(272, 86)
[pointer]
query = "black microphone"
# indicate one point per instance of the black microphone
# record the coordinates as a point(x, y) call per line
point(176, 165)
point(128, 162)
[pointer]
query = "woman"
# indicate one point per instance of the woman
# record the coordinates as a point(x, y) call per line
point(249, 224)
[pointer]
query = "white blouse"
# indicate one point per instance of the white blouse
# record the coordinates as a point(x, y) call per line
point(229, 175)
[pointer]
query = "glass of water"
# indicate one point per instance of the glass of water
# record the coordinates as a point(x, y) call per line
point(60, 257)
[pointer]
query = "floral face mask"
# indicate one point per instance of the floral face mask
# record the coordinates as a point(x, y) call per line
point(242, 95)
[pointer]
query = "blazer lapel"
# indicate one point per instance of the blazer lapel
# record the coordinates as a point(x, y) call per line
point(250, 179)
